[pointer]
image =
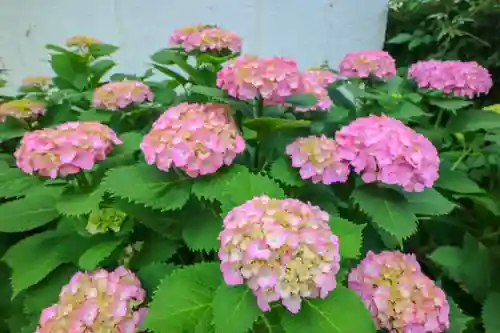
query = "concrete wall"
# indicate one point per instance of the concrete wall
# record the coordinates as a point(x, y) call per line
point(311, 31)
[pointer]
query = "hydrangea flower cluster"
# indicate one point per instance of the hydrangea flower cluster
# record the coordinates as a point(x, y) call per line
point(105, 219)
point(120, 94)
point(36, 81)
point(315, 82)
point(206, 38)
point(82, 42)
point(101, 301)
point(365, 63)
point(197, 138)
point(318, 159)
point(22, 109)
point(399, 296)
point(383, 149)
point(274, 79)
point(467, 79)
point(284, 250)
point(66, 149)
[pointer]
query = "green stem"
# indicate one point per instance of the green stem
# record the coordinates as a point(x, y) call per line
point(460, 159)
point(82, 180)
point(439, 118)
point(260, 106)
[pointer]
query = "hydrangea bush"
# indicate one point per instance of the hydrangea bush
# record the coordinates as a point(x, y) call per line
point(233, 193)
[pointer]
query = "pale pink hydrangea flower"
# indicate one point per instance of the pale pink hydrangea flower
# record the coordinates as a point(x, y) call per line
point(365, 63)
point(22, 109)
point(381, 148)
point(284, 250)
point(467, 79)
point(121, 94)
point(316, 82)
point(274, 79)
point(399, 296)
point(318, 159)
point(206, 38)
point(66, 149)
point(101, 301)
point(197, 138)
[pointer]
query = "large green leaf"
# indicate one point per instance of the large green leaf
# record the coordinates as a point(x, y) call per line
point(450, 104)
point(473, 120)
point(234, 309)
point(282, 171)
point(388, 209)
point(102, 50)
point(150, 187)
point(341, 312)
point(302, 100)
point(450, 259)
point(211, 187)
point(91, 258)
point(76, 204)
point(458, 321)
point(491, 309)
point(457, 181)
point(428, 202)
point(182, 298)
point(350, 236)
point(151, 275)
point(15, 183)
point(267, 125)
point(71, 68)
point(201, 229)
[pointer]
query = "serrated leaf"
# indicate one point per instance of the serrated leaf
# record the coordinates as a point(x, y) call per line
point(182, 298)
point(28, 213)
point(102, 116)
point(151, 275)
point(15, 183)
point(91, 258)
point(341, 312)
point(477, 274)
point(428, 202)
point(154, 249)
point(130, 143)
point(282, 171)
point(450, 258)
point(210, 187)
point(350, 236)
point(387, 209)
point(151, 187)
point(407, 111)
point(235, 309)
point(457, 181)
point(33, 258)
point(491, 308)
point(201, 230)
point(205, 323)
point(473, 120)
point(458, 321)
point(77, 204)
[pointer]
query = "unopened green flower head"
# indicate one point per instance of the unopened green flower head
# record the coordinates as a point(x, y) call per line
point(105, 219)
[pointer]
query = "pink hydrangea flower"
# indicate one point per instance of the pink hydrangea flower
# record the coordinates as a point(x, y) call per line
point(119, 95)
point(101, 301)
point(460, 78)
point(365, 63)
point(206, 38)
point(274, 79)
point(383, 149)
point(316, 82)
point(66, 149)
point(197, 138)
point(399, 296)
point(318, 159)
point(39, 81)
point(284, 250)
point(22, 109)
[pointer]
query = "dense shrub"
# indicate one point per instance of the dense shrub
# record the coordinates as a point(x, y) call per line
point(237, 193)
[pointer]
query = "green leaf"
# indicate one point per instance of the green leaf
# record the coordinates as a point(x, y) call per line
point(151, 275)
point(282, 171)
point(477, 274)
point(267, 125)
point(102, 116)
point(457, 181)
point(11, 129)
point(428, 202)
point(450, 258)
point(339, 98)
point(235, 309)
point(174, 75)
point(70, 68)
point(102, 50)
point(210, 187)
point(408, 111)
point(209, 91)
point(167, 57)
point(91, 259)
point(341, 312)
point(450, 104)
point(28, 213)
point(400, 39)
point(130, 143)
point(151, 187)
point(33, 258)
point(302, 100)
point(15, 183)
point(77, 204)
point(182, 298)
point(350, 236)
point(473, 120)
point(491, 308)
point(458, 321)
point(388, 209)
point(100, 68)
point(200, 231)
